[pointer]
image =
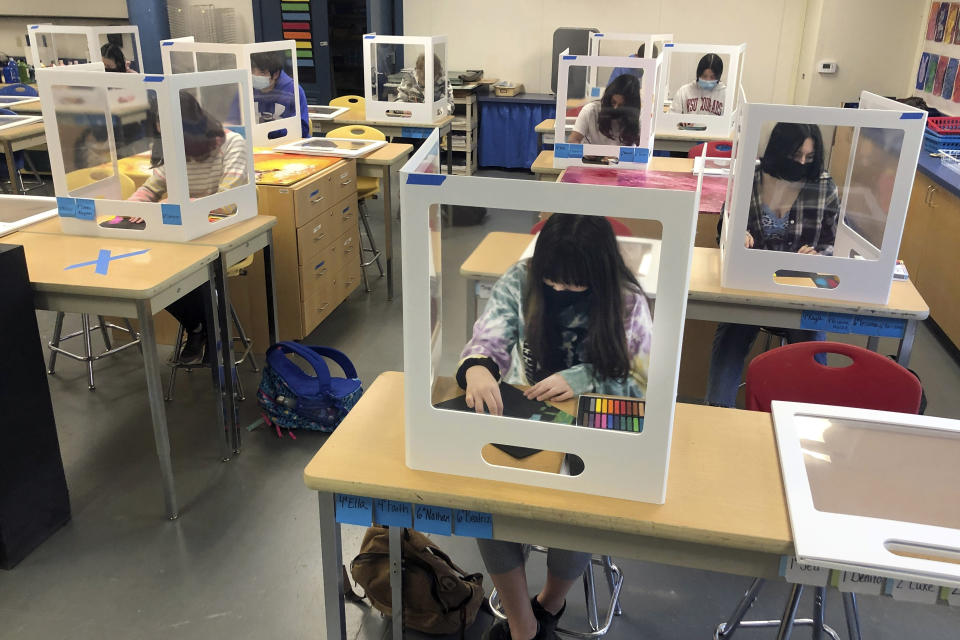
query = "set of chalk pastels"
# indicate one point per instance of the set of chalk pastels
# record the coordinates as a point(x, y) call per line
point(612, 413)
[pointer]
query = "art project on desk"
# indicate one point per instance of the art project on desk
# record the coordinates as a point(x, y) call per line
point(711, 198)
point(285, 169)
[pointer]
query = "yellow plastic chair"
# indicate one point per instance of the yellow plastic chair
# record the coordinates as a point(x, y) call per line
point(83, 177)
point(367, 188)
point(351, 102)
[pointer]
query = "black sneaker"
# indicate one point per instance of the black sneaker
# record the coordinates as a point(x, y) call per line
point(194, 348)
point(546, 619)
point(501, 631)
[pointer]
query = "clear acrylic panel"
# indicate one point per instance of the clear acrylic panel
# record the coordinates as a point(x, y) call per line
point(216, 148)
point(272, 78)
point(67, 47)
point(619, 48)
point(182, 62)
point(611, 118)
point(881, 471)
point(127, 43)
point(87, 143)
point(503, 309)
point(439, 72)
point(683, 72)
point(208, 61)
point(399, 75)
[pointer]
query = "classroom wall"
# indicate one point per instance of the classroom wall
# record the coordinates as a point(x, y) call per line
point(873, 42)
point(512, 39)
point(12, 29)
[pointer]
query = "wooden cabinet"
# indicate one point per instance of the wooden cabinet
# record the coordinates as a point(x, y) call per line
point(317, 244)
point(929, 250)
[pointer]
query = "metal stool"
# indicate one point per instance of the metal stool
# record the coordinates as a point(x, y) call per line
point(372, 249)
point(241, 337)
point(85, 331)
point(725, 630)
point(614, 581)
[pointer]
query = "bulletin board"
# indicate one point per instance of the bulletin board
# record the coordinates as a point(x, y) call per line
point(936, 79)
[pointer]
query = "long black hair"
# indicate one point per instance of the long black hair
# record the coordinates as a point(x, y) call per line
point(710, 61)
point(202, 132)
point(785, 139)
point(115, 54)
point(627, 116)
point(582, 251)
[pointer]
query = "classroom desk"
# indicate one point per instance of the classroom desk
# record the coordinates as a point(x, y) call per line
point(679, 141)
point(719, 515)
point(67, 275)
point(15, 139)
point(544, 169)
point(707, 300)
point(31, 108)
point(391, 129)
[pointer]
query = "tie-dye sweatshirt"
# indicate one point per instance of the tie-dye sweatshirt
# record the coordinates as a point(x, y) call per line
point(498, 335)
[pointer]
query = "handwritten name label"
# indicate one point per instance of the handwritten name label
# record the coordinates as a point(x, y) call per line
point(796, 573)
point(473, 524)
point(952, 596)
point(354, 510)
point(880, 327)
point(910, 591)
point(437, 520)
point(393, 514)
point(863, 583)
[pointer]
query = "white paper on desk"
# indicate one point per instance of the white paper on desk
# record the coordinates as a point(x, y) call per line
point(642, 254)
point(714, 166)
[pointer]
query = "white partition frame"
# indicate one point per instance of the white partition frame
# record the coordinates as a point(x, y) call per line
point(861, 280)
point(717, 126)
point(617, 464)
point(433, 107)
point(651, 94)
point(92, 35)
point(645, 39)
point(861, 543)
point(179, 218)
point(265, 134)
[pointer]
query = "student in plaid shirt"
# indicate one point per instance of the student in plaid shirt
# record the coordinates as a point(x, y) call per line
point(794, 208)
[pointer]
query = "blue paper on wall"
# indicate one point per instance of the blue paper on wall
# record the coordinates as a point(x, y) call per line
point(949, 79)
point(429, 519)
point(392, 514)
point(473, 524)
point(354, 509)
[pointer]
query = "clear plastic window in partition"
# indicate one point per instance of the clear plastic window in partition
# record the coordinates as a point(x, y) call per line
point(406, 78)
point(400, 73)
point(702, 89)
point(55, 49)
point(274, 92)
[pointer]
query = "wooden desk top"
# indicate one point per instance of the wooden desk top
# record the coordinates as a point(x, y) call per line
point(544, 164)
point(139, 277)
point(22, 132)
point(499, 250)
point(724, 486)
point(234, 235)
point(391, 153)
point(546, 126)
point(358, 115)
point(28, 108)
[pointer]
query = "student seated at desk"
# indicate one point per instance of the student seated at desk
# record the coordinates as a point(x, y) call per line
point(571, 320)
point(614, 119)
point(794, 208)
point(216, 161)
point(705, 94)
point(114, 60)
point(273, 90)
point(631, 71)
point(413, 82)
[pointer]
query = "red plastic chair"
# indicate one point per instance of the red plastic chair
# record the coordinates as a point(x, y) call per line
point(871, 381)
point(619, 229)
point(715, 149)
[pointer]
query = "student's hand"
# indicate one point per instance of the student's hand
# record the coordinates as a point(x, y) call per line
point(483, 389)
point(553, 388)
point(748, 243)
point(806, 250)
point(135, 220)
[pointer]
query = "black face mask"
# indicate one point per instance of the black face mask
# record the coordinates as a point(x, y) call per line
point(786, 169)
point(555, 300)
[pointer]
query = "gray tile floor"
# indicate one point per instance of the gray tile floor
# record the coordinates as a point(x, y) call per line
point(243, 562)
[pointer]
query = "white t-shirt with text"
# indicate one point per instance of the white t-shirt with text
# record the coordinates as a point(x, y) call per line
point(690, 98)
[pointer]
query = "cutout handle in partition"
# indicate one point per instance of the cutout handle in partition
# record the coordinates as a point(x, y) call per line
point(921, 551)
point(515, 457)
point(276, 133)
point(806, 279)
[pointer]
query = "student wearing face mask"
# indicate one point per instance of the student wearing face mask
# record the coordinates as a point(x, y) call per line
point(705, 94)
point(570, 320)
point(273, 90)
point(794, 208)
point(113, 59)
point(614, 119)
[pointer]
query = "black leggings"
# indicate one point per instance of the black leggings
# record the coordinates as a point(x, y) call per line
point(188, 310)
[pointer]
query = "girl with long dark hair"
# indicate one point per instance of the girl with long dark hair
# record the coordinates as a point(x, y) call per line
point(615, 119)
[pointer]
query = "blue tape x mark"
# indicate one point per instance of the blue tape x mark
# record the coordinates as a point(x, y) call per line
point(103, 260)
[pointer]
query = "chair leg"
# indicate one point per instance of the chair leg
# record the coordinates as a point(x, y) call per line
point(55, 342)
point(790, 614)
point(590, 592)
point(851, 615)
point(244, 340)
point(373, 245)
point(175, 367)
point(725, 630)
point(611, 582)
point(133, 334)
point(88, 349)
point(104, 332)
point(240, 394)
point(819, 602)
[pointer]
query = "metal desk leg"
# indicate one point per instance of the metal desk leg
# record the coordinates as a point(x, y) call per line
point(851, 615)
point(331, 559)
point(273, 326)
point(387, 189)
point(450, 151)
point(786, 624)
point(396, 580)
point(728, 628)
point(819, 602)
point(16, 185)
point(471, 305)
point(906, 343)
point(873, 343)
point(211, 301)
point(151, 362)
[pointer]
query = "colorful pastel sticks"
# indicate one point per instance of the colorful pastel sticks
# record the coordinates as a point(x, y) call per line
point(615, 414)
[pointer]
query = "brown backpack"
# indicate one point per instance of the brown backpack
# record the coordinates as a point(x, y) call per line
point(438, 597)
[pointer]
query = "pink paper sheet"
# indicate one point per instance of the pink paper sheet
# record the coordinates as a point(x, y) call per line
point(711, 198)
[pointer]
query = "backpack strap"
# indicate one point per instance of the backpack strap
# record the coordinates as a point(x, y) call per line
point(340, 358)
point(300, 382)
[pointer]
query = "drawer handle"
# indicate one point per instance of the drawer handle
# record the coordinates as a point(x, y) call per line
point(323, 307)
point(343, 184)
point(320, 273)
point(317, 199)
point(320, 236)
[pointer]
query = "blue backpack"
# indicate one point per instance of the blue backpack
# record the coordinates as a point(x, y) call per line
point(293, 399)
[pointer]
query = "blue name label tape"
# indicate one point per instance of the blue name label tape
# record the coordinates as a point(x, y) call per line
point(848, 323)
point(473, 524)
point(413, 132)
point(170, 214)
point(66, 207)
point(353, 509)
point(438, 520)
point(86, 209)
point(392, 514)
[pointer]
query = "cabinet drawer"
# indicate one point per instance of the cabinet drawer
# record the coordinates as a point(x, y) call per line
point(348, 248)
point(349, 278)
point(343, 181)
point(318, 307)
point(317, 234)
point(346, 213)
point(319, 271)
point(317, 194)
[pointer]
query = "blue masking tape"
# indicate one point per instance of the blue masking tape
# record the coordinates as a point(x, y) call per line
point(825, 321)
point(170, 214)
point(369, 37)
point(569, 57)
point(911, 116)
point(880, 327)
point(86, 209)
point(166, 43)
point(353, 509)
point(668, 44)
point(153, 78)
point(594, 92)
point(574, 150)
point(392, 514)
point(66, 207)
point(598, 35)
point(839, 322)
point(438, 520)
point(413, 132)
point(242, 131)
point(473, 524)
point(560, 150)
point(431, 179)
